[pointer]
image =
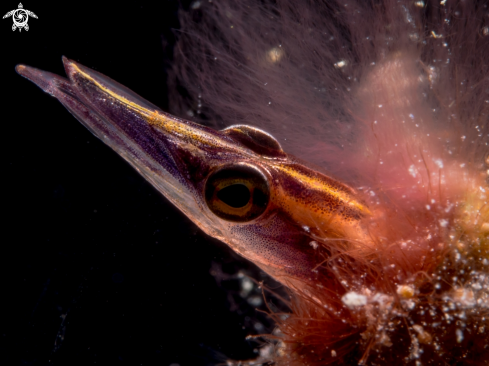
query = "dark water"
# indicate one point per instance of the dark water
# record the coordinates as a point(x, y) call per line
point(97, 267)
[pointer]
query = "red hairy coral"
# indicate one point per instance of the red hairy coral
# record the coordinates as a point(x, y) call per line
point(392, 98)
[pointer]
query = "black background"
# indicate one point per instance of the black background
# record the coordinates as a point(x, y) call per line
point(96, 266)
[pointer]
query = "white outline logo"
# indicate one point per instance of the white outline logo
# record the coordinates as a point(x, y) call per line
point(20, 17)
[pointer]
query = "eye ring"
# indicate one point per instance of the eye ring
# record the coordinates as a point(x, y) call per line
point(237, 192)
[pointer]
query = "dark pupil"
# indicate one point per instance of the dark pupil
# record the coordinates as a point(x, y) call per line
point(260, 198)
point(236, 195)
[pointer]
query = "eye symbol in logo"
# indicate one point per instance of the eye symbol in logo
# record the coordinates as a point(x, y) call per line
point(20, 17)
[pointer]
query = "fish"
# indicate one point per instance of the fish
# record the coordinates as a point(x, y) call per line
point(348, 161)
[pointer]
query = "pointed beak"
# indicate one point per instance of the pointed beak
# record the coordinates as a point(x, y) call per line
point(149, 139)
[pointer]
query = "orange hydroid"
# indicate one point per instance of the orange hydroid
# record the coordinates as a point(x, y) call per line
point(391, 98)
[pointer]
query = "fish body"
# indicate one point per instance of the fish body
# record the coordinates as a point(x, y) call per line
point(190, 163)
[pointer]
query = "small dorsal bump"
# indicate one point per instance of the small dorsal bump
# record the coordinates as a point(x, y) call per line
point(255, 139)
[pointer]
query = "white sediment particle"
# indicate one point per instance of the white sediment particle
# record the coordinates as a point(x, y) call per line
point(413, 36)
point(413, 171)
point(255, 300)
point(408, 304)
point(382, 299)
point(314, 244)
point(477, 286)
point(423, 336)
point(464, 297)
point(353, 299)
point(275, 54)
point(306, 228)
point(266, 351)
point(340, 64)
point(460, 335)
point(439, 162)
point(246, 286)
point(443, 222)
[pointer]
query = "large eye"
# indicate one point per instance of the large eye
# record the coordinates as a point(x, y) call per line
point(237, 193)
